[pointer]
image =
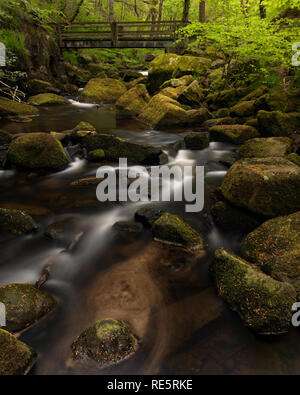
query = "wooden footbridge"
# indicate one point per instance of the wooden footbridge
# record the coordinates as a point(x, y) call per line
point(119, 34)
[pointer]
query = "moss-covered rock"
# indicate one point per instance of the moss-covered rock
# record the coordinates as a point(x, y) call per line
point(274, 247)
point(263, 303)
point(192, 95)
point(10, 107)
point(133, 102)
point(222, 113)
point(196, 140)
point(279, 101)
point(115, 148)
point(220, 121)
point(16, 222)
point(293, 157)
point(197, 117)
point(85, 126)
point(97, 155)
point(16, 358)
point(5, 137)
point(37, 86)
point(257, 93)
point(46, 99)
point(25, 305)
point(37, 151)
point(128, 227)
point(224, 98)
point(191, 65)
point(243, 109)
point(183, 81)
point(107, 341)
point(172, 229)
point(148, 215)
point(173, 93)
point(266, 186)
point(266, 147)
point(161, 69)
point(64, 230)
point(162, 112)
point(235, 134)
point(231, 218)
point(276, 123)
point(103, 90)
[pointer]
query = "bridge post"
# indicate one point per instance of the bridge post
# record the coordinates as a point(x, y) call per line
point(114, 33)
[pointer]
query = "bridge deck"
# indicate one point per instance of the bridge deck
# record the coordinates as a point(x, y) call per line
point(120, 34)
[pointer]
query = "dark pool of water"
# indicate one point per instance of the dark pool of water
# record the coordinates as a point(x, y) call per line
point(183, 326)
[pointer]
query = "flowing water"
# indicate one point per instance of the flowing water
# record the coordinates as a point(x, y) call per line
point(166, 295)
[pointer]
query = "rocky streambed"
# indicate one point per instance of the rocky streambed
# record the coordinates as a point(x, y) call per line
point(117, 287)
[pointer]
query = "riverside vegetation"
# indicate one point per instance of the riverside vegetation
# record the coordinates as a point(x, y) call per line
point(206, 90)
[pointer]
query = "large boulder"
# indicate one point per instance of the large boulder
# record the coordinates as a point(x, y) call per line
point(225, 98)
point(243, 109)
point(115, 148)
point(10, 107)
point(274, 247)
point(103, 90)
point(161, 69)
point(193, 65)
point(263, 303)
point(46, 99)
point(279, 101)
point(276, 123)
point(25, 305)
point(37, 151)
point(197, 117)
point(183, 81)
point(162, 112)
point(234, 134)
point(172, 229)
point(133, 102)
point(16, 358)
point(196, 140)
point(37, 86)
point(266, 147)
point(16, 222)
point(107, 341)
point(192, 95)
point(266, 186)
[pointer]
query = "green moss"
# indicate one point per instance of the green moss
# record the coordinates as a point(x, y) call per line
point(192, 95)
point(37, 151)
point(37, 86)
point(107, 341)
point(10, 107)
point(161, 69)
point(133, 102)
point(172, 229)
point(46, 99)
point(235, 134)
point(294, 158)
point(196, 140)
point(277, 123)
point(16, 222)
point(97, 155)
point(103, 90)
point(84, 126)
point(25, 305)
point(16, 358)
point(263, 303)
point(266, 147)
point(243, 109)
point(191, 65)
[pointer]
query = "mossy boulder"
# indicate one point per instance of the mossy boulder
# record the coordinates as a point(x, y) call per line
point(162, 112)
point(279, 101)
point(197, 117)
point(173, 93)
point(266, 186)
point(172, 229)
point(276, 123)
point(266, 147)
point(133, 102)
point(243, 109)
point(116, 147)
point(263, 303)
point(192, 95)
point(257, 93)
point(274, 247)
point(224, 98)
point(231, 218)
point(98, 155)
point(148, 215)
point(37, 151)
point(183, 81)
point(235, 134)
point(37, 86)
point(16, 222)
point(107, 341)
point(103, 90)
point(46, 99)
point(10, 107)
point(196, 140)
point(193, 65)
point(85, 126)
point(16, 358)
point(220, 121)
point(161, 69)
point(293, 157)
point(64, 230)
point(5, 137)
point(25, 305)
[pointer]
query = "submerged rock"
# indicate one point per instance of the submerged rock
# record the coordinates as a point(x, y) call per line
point(16, 358)
point(128, 227)
point(274, 247)
point(266, 147)
point(276, 123)
point(25, 305)
point(16, 222)
point(10, 107)
point(172, 229)
point(235, 134)
point(107, 341)
point(63, 230)
point(196, 140)
point(103, 90)
point(263, 303)
point(148, 215)
point(115, 148)
point(97, 155)
point(46, 99)
point(266, 186)
point(37, 151)
point(133, 102)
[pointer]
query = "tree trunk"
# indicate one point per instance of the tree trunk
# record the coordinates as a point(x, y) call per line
point(186, 9)
point(202, 17)
point(160, 10)
point(262, 9)
point(76, 12)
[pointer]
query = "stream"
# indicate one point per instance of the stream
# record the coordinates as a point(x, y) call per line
point(166, 296)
